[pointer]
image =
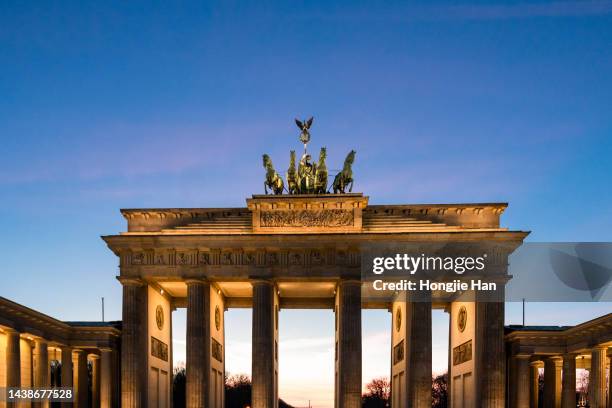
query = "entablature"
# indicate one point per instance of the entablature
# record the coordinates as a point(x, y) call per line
point(314, 213)
point(560, 340)
point(32, 324)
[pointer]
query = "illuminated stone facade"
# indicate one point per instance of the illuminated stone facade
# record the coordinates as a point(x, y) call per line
point(299, 251)
point(39, 351)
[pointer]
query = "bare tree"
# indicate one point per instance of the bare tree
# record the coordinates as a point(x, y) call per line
point(379, 387)
point(377, 393)
point(237, 380)
point(439, 391)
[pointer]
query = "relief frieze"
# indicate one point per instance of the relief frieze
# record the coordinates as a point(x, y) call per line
point(159, 349)
point(227, 259)
point(239, 258)
point(248, 258)
point(205, 258)
point(307, 218)
point(462, 353)
point(296, 258)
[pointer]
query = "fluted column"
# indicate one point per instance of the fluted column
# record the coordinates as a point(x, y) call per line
point(198, 343)
point(13, 361)
point(568, 388)
point(80, 380)
point(534, 383)
point(490, 355)
point(610, 379)
point(418, 325)
point(521, 377)
point(106, 378)
point(597, 379)
point(66, 371)
point(41, 367)
point(264, 376)
point(13, 358)
point(134, 347)
point(349, 344)
point(552, 382)
point(95, 381)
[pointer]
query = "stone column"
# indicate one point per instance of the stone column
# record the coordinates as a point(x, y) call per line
point(134, 347)
point(610, 378)
point(521, 381)
point(41, 368)
point(597, 379)
point(80, 381)
point(13, 358)
point(349, 345)
point(552, 382)
point(66, 371)
point(95, 381)
point(198, 343)
point(13, 361)
point(534, 383)
point(264, 377)
point(568, 388)
point(490, 355)
point(418, 369)
point(106, 378)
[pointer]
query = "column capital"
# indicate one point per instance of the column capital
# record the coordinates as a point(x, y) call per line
point(130, 281)
point(10, 330)
point(105, 350)
point(261, 281)
point(196, 281)
point(536, 363)
point(554, 359)
point(349, 281)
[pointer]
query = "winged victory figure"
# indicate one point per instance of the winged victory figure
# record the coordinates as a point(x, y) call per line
point(304, 127)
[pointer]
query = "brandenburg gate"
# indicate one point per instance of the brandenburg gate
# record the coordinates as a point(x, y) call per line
point(298, 251)
point(302, 249)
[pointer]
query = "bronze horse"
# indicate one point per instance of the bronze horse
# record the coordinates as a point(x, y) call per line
point(344, 179)
point(273, 180)
point(292, 183)
point(320, 185)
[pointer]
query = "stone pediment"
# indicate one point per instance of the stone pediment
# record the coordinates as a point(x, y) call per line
point(292, 214)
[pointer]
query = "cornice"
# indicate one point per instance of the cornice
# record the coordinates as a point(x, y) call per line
point(495, 234)
point(130, 281)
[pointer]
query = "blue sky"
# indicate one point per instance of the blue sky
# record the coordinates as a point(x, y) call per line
point(129, 105)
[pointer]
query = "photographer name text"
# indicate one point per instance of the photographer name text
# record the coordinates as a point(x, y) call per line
point(428, 285)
